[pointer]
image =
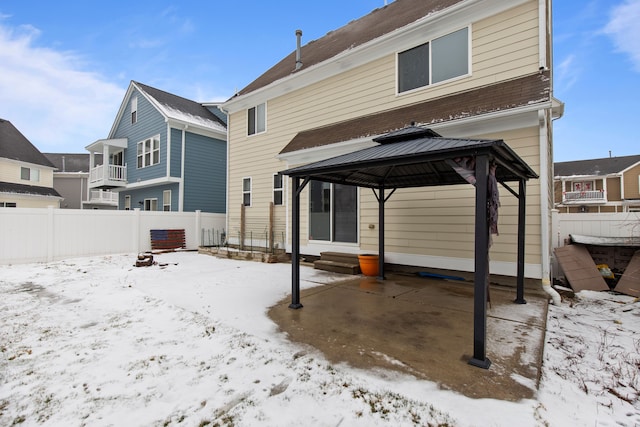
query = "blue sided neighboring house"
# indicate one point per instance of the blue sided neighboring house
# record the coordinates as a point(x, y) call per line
point(163, 153)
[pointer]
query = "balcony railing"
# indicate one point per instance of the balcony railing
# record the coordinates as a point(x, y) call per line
point(103, 197)
point(578, 197)
point(112, 173)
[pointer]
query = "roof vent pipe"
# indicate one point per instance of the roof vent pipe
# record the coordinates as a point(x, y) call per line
point(298, 59)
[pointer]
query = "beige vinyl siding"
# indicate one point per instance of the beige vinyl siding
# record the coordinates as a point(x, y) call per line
point(29, 201)
point(372, 87)
point(10, 172)
point(613, 190)
point(631, 183)
point(435, 221)
point(440, 221)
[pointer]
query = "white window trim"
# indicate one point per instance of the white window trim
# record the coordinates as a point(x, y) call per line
point(592, 182)
point(127, 202)
point(150, 201)
point(34, 174)
point(329, 243)
point(256, 119)
point(442, 82)
point(281, 190)
point(164, 201)
point(152, 139)
point(247, 192)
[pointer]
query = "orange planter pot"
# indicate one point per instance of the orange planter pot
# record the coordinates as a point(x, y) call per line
point(369, 264)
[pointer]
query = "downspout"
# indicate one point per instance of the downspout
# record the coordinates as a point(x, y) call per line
point(544, 209)
point(226, 203)
point(181, 185)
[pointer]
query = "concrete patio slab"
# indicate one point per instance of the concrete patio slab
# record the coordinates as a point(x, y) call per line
point(423, 327)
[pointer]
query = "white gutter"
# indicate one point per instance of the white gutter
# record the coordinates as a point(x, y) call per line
point(545, 259)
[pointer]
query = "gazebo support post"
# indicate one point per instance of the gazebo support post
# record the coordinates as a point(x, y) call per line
point(295, 246)
point(479, 358)
point(381, 201)
point(521, 239)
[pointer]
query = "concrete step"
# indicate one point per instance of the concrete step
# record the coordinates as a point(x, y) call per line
point(342, 257)
point(337, 267)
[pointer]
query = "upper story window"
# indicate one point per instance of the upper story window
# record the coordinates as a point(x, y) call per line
point(256, 119)
point(134, 109)
point(440, 59)
point(278, 188)
point(583, 186)
point(149, 152)
point(246, 191)
point(29, 174)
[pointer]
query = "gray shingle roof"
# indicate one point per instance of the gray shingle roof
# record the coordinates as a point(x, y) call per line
point(8, 187)
point(184, 105)
point(596, 167)
point(71, 162)
point(15, 146)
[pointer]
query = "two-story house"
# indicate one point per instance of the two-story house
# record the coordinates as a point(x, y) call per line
point(464, 68)
point(610, 184)
point(71, 180)
point(26, 175)
point(163, 153)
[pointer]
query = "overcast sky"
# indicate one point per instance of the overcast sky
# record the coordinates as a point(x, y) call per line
point(65, 66)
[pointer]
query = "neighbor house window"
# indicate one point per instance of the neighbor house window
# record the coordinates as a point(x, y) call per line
point(246, 191)
point(150, 204)
point(7, 204)
point(277, 189)
point(440, 59)
point(256, 119)
point(127, 203)
point(29, 174)
point(583, 186)
point(166, 200)
point(149, 152)
point(134, 109)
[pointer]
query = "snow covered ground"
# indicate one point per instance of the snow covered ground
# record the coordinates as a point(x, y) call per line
point(98, 342)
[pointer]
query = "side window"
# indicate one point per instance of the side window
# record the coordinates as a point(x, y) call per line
point(134, 109)
point(278, 189)
point(256, 119)
point(127, 203)
point(148, 153)
point(166, 200)
point(246, 191)
point(150, 204)
point(438, 60)
point(29, 174)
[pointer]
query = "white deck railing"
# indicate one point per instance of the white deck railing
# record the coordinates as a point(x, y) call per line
point(100, 196)
point(584, 196)
point(114, 173)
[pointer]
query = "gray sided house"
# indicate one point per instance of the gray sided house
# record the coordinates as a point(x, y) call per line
point(71, 180)
point(163, 153)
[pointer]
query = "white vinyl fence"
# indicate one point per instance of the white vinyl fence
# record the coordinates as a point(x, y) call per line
point(625, 224)
point(43, 235)
point(622, 224)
